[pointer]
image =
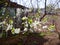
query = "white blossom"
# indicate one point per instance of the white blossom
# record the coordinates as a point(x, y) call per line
point(24, 18)
point(2, 22)
point(9, 27)
point(31, 30)
point(17, 30)
point(25, 29)
point(45, 27)
point(26, 25)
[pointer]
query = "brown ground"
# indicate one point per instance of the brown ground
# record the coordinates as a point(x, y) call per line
point(52, 39)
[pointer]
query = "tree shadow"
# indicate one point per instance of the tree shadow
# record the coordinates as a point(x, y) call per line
point(34, 39)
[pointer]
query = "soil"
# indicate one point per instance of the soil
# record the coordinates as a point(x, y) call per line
point(52, 39)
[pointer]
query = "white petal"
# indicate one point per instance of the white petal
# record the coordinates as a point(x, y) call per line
point(45, 27)
point(17, 31)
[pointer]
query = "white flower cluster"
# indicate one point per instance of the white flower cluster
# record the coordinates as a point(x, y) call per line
point(15, 30)
point(36, 26)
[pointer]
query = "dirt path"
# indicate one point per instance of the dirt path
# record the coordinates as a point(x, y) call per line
point(58, 24)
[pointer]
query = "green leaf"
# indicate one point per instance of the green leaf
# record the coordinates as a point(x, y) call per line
point(30, 21)
point(10, 21)
point(42, 34)
point(13, 30)
point(51, 27)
